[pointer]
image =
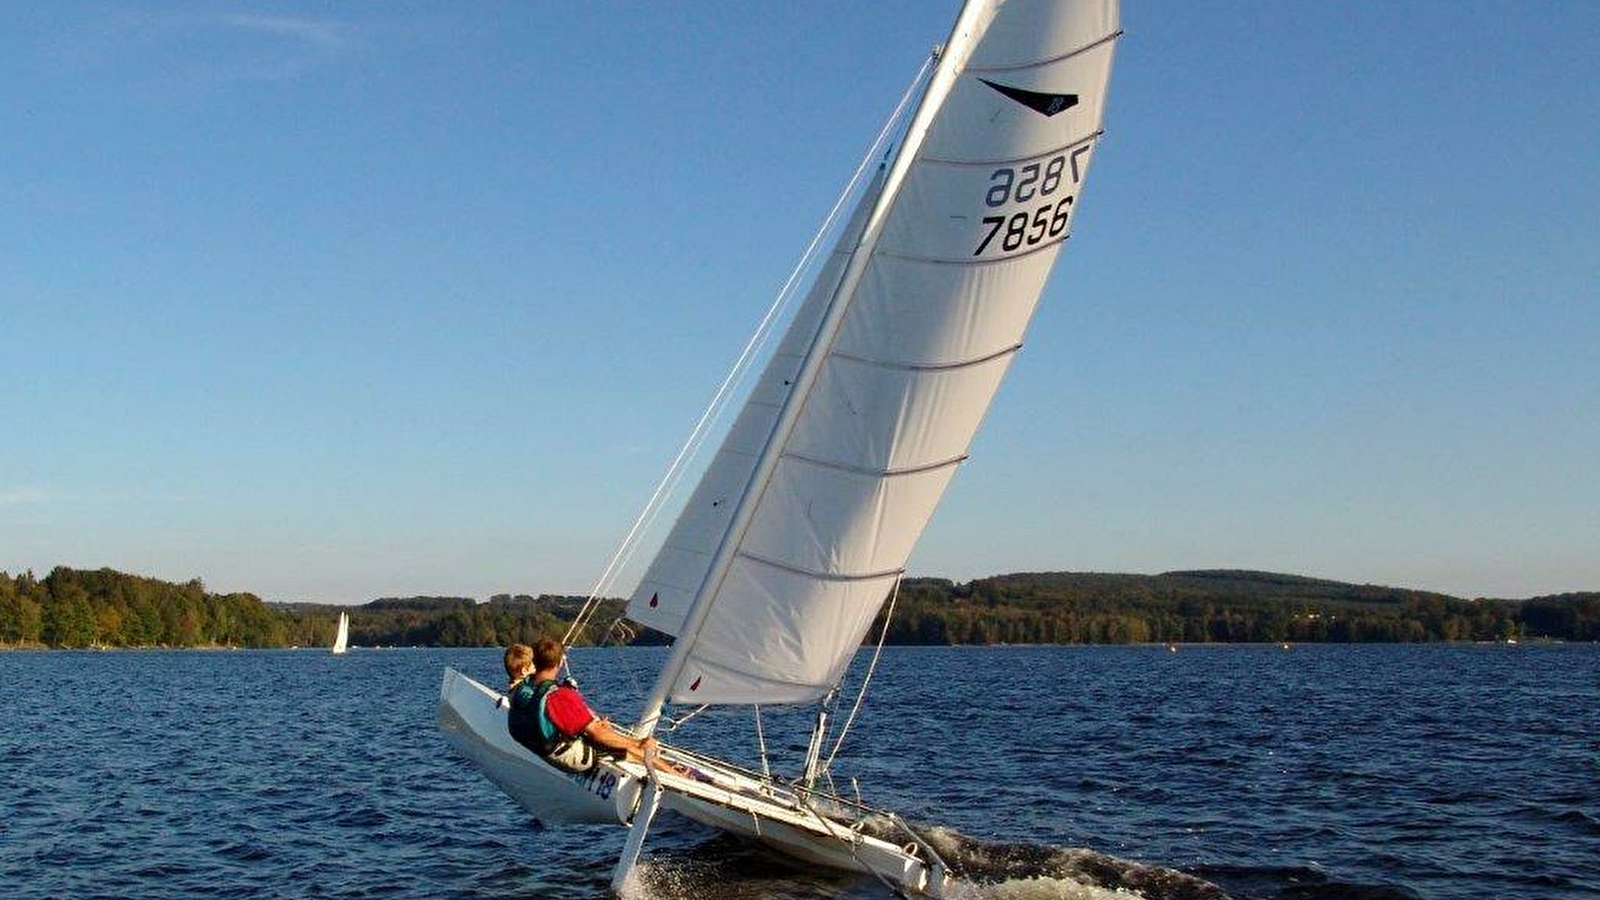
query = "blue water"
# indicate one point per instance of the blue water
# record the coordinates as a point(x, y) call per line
point(1317, 772)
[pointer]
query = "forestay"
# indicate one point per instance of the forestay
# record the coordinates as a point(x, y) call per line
point(909, 329)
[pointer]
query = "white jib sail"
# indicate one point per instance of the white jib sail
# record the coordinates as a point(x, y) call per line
point(928, 299)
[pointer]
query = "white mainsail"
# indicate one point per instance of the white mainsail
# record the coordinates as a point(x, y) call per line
point(806, 517)
point(341, 640)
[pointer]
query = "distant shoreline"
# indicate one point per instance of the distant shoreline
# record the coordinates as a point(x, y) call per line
point(77, 608)
point(1212, 645)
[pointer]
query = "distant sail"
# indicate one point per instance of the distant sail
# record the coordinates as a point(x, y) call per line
point(341, 641)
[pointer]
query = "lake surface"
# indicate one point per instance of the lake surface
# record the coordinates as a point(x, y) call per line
point(1247, 772)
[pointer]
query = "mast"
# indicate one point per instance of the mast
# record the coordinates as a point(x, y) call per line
point(953, 57)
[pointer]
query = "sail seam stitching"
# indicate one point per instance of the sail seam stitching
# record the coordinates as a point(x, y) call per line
point(1052, 60)
point(685, 548)
point(667, 584)
point(880, 473)
point(820, 576)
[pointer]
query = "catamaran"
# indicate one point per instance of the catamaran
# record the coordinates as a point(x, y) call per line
point(341, 639)
point(799, 529)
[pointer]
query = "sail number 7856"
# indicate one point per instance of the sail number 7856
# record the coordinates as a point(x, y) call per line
point(1020, 230)
point(1034, 181)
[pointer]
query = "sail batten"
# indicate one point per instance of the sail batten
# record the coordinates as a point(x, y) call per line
point(931, 367)
point(811, 508)
point(821, 576)
point(889, 472)
point(1052, 244)
point(1093, 45)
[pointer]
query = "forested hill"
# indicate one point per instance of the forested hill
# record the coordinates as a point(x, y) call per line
point(1217, 606)
point(103, 607)
point(81, 608)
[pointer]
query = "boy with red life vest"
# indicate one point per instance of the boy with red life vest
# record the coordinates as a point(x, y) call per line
point(552, 719)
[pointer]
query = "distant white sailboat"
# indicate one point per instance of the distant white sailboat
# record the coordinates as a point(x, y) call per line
point(799, 530)
point(341, 641)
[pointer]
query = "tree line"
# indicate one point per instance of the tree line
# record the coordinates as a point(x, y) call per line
point(1215, 607)
point(106, 608)
point(81, 608)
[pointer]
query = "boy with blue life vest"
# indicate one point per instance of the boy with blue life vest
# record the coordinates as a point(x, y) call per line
point(550, 717)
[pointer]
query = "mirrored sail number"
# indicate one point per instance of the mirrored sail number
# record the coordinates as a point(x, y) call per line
point(1037, 223)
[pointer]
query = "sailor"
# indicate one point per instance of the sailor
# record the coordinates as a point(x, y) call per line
point(551, 718)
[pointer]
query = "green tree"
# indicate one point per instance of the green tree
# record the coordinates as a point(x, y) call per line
point(19, 612)
point(66, 618)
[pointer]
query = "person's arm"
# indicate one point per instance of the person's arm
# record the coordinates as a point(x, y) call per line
point(602, 732)
point(572, 715)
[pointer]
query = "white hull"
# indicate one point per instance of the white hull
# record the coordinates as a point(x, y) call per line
point(473, 720)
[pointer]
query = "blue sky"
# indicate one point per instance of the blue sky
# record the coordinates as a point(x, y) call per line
point(338, 301)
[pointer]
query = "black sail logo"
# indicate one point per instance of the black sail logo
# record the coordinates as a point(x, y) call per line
point(1044, 104)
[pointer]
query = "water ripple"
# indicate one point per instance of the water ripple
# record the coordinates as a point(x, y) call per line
point(1330, 773)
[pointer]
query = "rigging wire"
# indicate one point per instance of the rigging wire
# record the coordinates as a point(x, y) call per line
point(866, 679)
point(719, 401)
point(675, 724)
